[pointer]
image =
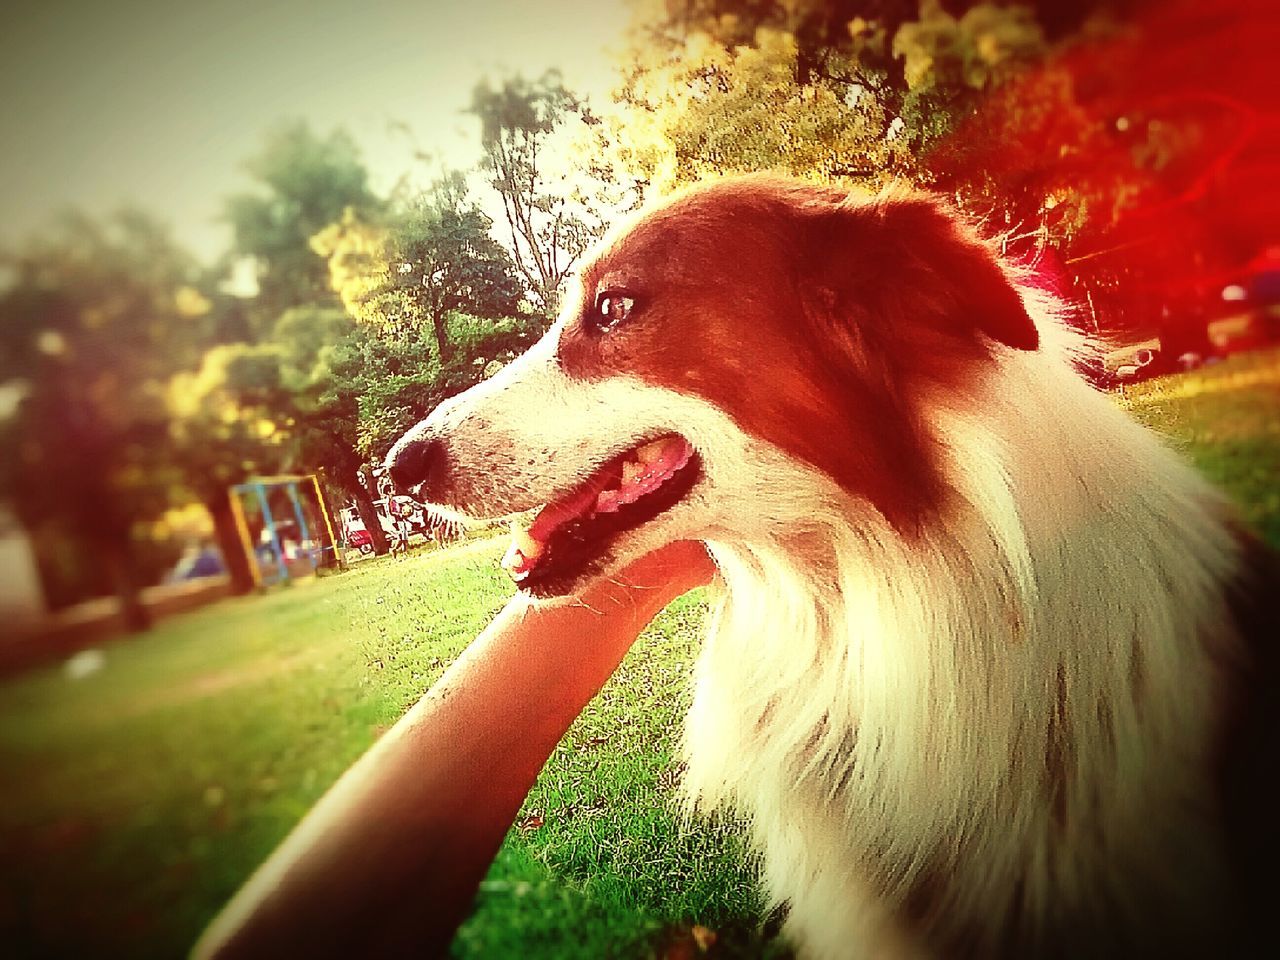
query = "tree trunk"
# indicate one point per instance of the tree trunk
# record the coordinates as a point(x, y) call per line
point(368, 512)
point(442, 336)
point(230, 544)
point(117, 558)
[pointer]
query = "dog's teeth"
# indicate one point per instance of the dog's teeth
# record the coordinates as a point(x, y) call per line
point(650, 452)
point(523, 541)
point(631, 472)
point(521, 554)
point(513, 559)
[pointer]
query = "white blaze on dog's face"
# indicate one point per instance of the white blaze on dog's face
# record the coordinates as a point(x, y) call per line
point(713, 355)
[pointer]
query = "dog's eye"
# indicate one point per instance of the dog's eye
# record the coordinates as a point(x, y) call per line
point(611, 310)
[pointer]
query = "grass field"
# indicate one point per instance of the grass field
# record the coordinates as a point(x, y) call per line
point(136, 799)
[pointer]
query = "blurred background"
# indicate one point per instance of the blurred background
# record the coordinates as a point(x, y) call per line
point(244, 245)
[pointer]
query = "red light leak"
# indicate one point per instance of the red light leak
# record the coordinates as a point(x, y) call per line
point(1167, 128)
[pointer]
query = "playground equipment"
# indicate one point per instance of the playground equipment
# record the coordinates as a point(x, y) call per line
point(287, 530)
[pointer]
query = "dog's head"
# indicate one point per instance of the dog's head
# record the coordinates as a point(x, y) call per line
point(726, 359)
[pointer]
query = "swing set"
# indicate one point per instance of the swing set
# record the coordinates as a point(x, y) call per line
point(285, 527)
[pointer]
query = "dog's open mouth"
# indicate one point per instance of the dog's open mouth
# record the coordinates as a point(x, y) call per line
point(569, 533)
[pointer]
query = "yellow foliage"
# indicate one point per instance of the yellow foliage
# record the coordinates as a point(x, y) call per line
point(202, 394)
point(358, 267)
point(190, 522)
point(699, 109)
point(188, 392)
point(191, 303)
point(982, 45)
point(919, 65)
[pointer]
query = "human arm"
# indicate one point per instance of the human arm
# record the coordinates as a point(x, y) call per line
point(389, 859)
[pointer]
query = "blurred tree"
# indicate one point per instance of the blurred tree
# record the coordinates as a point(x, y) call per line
point(549, 217)
point(951, 63)
point(703, 108)
point(227, 422)
point(315, 390)
point(272, 407)
point(96, 319)
point(306, 182)
point(432, 256)
point(803, 86)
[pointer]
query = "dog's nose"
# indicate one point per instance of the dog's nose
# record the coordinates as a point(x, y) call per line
point(411, 465)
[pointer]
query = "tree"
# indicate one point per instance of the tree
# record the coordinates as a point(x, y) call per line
point(446, 261)
point(850, 91)
point(430, 257)
point(1138, 150)
point(305, 183)
point(702, 108)
point(548, 217)
point(366, 385)
point(97, 318)
point(350, 390)
point(228, 420)
point(272, 407)
point(315, 347)
point(1128, 137)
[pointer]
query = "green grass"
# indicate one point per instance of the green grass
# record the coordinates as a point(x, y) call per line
point(134, 801)
point(1226, 419)
point(147, 792)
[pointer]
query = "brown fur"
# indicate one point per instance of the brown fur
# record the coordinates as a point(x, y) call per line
point(759, 275)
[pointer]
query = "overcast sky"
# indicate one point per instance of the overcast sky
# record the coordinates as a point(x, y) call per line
point(158, 102)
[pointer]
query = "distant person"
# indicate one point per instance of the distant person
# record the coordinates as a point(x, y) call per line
point(401, 510)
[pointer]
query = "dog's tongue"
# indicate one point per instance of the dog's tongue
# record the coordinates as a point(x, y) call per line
point(645, 469)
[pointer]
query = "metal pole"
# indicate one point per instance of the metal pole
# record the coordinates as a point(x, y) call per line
point(270, 521)
point(328, 521)
point(242, 526)
point(303, 530)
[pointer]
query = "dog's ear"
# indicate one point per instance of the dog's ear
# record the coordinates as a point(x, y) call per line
point(912, 260)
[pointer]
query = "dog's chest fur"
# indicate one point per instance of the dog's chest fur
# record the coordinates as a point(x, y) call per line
point(991, 739)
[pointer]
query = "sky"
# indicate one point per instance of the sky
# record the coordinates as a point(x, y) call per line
point(157, 103)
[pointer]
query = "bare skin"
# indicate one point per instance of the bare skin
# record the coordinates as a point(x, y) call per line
point(388, 861)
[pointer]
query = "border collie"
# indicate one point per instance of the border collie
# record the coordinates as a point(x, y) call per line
point(979, 665)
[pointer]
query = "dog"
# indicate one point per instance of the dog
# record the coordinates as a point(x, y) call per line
point(985, 668)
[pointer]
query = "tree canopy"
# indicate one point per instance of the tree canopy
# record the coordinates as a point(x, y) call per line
point(549, 221)
point(430, 256)
point(1128, 145)
point(97, 318)
point(304, 183)
point(1123, 141)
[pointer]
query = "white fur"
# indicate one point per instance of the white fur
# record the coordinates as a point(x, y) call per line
point(885, 710)
point(874, 714)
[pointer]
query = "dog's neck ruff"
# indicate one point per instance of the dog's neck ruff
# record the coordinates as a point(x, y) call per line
point(907, 698)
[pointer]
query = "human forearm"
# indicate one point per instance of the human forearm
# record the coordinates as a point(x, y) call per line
point(389, 859)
